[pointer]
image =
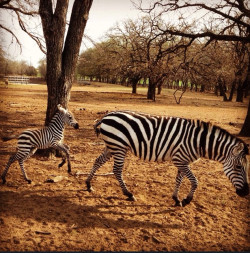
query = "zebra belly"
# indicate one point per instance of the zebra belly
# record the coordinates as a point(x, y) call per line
point(144, 152)
point(33, 139)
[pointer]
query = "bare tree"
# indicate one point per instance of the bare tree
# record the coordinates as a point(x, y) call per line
point(62, 55)
point(61, 50)
point(230, 18)
point(23, 11)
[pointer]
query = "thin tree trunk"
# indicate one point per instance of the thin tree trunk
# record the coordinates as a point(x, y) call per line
point(151, 90)
point(232, 91)
point(134, 82)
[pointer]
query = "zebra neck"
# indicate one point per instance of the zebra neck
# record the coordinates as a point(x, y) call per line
point(57, 122)
point(215, 142)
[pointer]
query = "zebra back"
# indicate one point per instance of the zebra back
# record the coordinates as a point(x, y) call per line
point(158, 138)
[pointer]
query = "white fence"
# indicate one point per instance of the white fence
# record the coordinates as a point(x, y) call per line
point(17, 79)
point(81, 80)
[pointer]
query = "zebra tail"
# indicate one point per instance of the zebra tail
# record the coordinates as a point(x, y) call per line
point(97, 130)
point(8, 138)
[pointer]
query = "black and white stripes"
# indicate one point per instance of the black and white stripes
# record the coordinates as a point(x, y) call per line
point(51, 136)
point(158, 138)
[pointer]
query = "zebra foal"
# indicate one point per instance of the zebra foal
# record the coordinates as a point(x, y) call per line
point(158, 138)
point(50, 136)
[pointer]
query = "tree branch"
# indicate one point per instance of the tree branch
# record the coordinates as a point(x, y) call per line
point(32, 36)
point(12, 8)
point(14, 36)
point(233, 13)
point(211, 35)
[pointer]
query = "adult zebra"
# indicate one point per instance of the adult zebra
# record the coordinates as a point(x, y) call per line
point(158, 138)
point(51, 136)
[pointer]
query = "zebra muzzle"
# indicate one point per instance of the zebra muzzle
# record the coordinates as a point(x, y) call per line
point(244, 191)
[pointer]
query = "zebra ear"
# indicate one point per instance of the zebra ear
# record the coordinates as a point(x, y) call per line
point(237, 149)
point(60, 108)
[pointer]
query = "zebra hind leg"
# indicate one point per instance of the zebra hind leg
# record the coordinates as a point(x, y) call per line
point(118, 166)
point(12, 159)
point(103, 158)
point(23, 170)
point(22, 156)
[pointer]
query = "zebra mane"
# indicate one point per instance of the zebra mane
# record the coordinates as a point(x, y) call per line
point(238, 140)
point(55, 118)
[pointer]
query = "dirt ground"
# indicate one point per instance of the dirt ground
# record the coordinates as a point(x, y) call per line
point(61, 216)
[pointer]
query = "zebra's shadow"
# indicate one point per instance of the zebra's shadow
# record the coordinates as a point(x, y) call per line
point(44, 206)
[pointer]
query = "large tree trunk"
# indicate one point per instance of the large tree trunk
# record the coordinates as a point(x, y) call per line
point(244, 86)
point(62, 57)
point(245, 131)
point(240, 93)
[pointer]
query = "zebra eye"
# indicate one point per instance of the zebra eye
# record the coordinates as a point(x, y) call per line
point(238, 167)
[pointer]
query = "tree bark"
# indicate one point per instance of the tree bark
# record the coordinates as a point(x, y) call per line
point(240, 93)
point(232, 91)
point(151, 90)
point(134, 87)
point(245, 130)
point(62, 57)
point(134, 82)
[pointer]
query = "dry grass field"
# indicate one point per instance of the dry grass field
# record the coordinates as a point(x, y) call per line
point(62, 216)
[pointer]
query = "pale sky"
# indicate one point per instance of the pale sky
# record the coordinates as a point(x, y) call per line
point(103, 15)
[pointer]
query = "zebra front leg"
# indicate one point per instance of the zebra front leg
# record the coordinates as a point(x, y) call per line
point(12, 159)
point(103, 158)
point(194, 183)
point(118, 166)
point(62, 163)
point(63, 159)
point(184, 170)
point(63, 148)
point(179, 179)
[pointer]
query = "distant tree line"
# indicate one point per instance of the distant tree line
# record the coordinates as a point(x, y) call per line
point(205, 51)
point(137, 53)
point(10, 67)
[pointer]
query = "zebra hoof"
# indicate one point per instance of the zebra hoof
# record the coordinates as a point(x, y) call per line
point(4, 180)
point(29, 181)
point(186, 201)
point(90, 189)
point(131, 198)
point(177, 201)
